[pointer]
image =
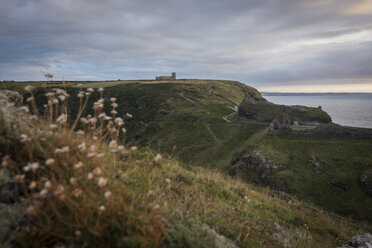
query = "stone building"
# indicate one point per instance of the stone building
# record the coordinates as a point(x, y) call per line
point(173, 77)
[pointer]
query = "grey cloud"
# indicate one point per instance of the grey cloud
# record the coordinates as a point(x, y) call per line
point(242, 40)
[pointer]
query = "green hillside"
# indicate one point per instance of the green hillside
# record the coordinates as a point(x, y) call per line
point(195, 122)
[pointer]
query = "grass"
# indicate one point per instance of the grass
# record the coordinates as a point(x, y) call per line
point(159, 110)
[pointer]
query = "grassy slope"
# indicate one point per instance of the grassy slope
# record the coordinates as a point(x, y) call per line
point(163, 204)
point(211, 141)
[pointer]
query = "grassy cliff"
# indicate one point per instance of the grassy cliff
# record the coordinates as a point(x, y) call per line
point(85, 188)
point(195, 122)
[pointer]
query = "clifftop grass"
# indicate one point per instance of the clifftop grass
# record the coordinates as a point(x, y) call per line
point(85, 188)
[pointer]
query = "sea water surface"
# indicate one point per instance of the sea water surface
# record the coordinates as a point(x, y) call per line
point(347, 109)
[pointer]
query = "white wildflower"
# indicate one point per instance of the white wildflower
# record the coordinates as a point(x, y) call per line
point(91, 155)
point(28, 88)
point(73, 181)
point(78, 165)
point(113, 144)
point(55, 101)
point(62, 98)
point(43, 193)
point(133, 148)
point(100, 90)
point(119, 121)
point(90, 90)
point(80, 132)
point(53, 126)
point(19, 178)
point(102, 208)
point(108, 194)
point(90, 176)
point(62, 119)
point(114, 105)
point(24, 138)
point(78, 233)
point(158, 158)
point(50, 161)
point(114, 112)
point(79, 85)
point(100, 155)
point(31, 210)
point(129, 115)
point(48, 185)
point(102, 182)
point(101, 115)
point(32, 185)
point(29, 99)
point(77, 192)
point(34, 166)
point(97, 171)
point(113, 99)
point(24, 109)
point(59, 190)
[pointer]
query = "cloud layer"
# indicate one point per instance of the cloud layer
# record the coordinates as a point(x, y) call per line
point(262, 43)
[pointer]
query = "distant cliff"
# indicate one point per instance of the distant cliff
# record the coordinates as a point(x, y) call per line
point(257, 108)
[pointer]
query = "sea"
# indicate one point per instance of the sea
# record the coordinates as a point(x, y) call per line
point(347, 109)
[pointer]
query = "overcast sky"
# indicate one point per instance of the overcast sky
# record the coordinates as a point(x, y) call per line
point(274, 45)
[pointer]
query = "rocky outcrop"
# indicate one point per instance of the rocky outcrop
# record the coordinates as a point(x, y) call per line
point(318, 166)
point(323, 130)
point(366, 181)
point(262, 165)
point(359, 241)
point(257, 108)
point(339, 186)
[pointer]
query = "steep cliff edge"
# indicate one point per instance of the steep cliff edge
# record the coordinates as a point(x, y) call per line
point(257, 108)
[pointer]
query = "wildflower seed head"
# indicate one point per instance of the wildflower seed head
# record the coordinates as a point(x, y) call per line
point(31, 210)
point(43, 193)
point(114, 105)
point(53, 126)
point(129, 115)
point(102, 182)
point(24, 109)
point(90, 90)
point(79, 85)
point(78, 233)
point(90, 176)
point(77, 192)
point(113, 144)
point(79, 165)
point(34, 166)
point(108, 194)
point(19, 178)
point(48, 185)
point(24, 138)
point(102, 208)
point(158, 158)
point(73, 181)
point(55, 101)
point(29, 99)
point(97, 171)
point(32, 185)
point(28, 88)
point(50, 161)
point(100, 90)
point(62, 119)
point(113, 99)
point(59, 190)
point(133, 148)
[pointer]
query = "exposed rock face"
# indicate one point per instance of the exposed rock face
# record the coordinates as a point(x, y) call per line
point(260, 164)
point(13, 123)
point(339, 186)
point(323, 130)
point(366, 181)
point(318, 166)
point(359, 241)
